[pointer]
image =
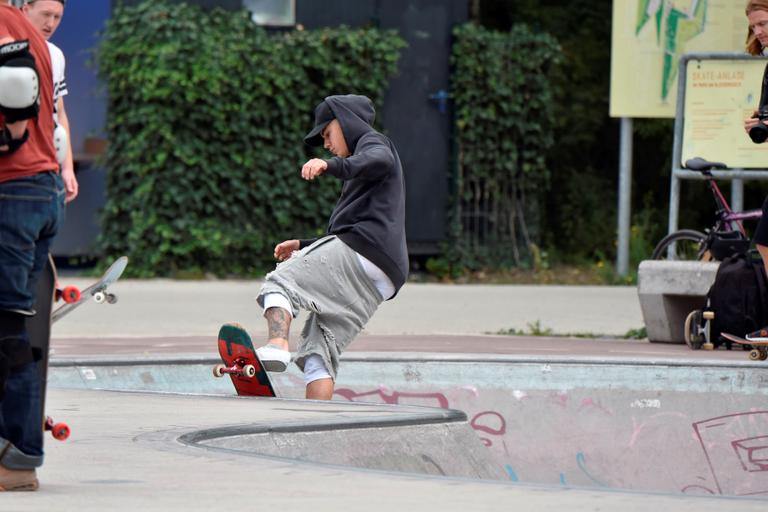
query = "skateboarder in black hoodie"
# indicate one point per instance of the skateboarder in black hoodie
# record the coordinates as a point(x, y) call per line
point(341, 278)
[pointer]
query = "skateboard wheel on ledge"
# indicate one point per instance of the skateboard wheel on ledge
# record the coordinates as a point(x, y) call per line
point(217, 370)
point(249, 370)
point(99, 297)
point(691, 330)
point(708, 346)
point(754, 355)
point(70, 294)
point(111, 298)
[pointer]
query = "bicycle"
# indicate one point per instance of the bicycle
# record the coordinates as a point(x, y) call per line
point(726, 237)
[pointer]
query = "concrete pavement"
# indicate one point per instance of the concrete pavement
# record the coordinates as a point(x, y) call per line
point(157, 308)
point(127, 450)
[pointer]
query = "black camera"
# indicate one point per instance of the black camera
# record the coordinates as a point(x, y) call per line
point(759, 132)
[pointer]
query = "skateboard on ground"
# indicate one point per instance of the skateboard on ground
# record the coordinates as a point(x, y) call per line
point(241, 363)
point(98, 291)
point(759, 350)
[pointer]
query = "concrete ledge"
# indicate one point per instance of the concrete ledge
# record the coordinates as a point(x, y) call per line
point(442, 448)
point(668, 292)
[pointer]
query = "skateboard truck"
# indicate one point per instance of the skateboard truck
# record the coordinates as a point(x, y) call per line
point(241, 362)
point(59, 431)
point(100, 297)
point(238, 368)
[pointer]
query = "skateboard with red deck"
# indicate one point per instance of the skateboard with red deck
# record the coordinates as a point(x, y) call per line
point(241, 363)
point(759, 350)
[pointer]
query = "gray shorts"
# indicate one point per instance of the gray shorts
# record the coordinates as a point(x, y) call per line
point(327, 280)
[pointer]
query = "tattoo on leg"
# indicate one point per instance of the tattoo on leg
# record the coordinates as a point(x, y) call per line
point(278, 322)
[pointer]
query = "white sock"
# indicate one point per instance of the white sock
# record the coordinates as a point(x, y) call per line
point(277, 300)
point(314, 369)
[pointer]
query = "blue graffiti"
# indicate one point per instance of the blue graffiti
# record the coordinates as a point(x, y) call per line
point(511, 473)
point(581, 461)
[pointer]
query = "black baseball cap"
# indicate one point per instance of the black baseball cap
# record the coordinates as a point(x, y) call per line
point(323, 116)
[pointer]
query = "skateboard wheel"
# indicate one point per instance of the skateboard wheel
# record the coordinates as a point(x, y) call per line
point(99, 297)
point(691, 332)
point(763, 355)
point(60, 431)
point(708, 346)
point(217, 370)
point(111, 298)
point(754, 355)
point(70, 294)
point(709, 315)
point(249, 370)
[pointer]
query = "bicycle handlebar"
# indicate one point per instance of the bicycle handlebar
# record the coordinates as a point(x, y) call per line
point(701, 165)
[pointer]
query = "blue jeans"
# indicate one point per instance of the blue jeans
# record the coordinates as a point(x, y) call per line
point(31, 210)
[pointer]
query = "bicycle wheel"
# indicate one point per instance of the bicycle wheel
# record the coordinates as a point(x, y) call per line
point(689, 245)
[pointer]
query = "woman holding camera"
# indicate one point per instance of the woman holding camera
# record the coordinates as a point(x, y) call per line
point(757, 42)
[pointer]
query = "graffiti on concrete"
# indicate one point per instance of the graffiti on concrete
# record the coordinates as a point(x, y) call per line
point(736, 449)
point(735, 446)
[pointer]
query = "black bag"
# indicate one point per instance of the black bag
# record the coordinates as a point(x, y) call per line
point(738, 297)
point(726, 243)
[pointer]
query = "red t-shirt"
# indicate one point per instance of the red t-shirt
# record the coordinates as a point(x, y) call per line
point(38, 153)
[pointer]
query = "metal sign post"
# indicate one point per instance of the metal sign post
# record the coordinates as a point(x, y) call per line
point(718, 72)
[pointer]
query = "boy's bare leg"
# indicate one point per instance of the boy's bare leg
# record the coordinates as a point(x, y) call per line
point(278, 324)
point(321, 389)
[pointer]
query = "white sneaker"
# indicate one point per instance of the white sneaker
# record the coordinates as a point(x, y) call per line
point(273, 358)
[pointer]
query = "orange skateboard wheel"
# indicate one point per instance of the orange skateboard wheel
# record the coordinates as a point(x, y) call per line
point(70, 294)
point(60, 431)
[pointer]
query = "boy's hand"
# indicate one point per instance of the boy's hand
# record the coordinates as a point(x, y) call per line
point(70, 184)
point(284, 250)
point(313, 168)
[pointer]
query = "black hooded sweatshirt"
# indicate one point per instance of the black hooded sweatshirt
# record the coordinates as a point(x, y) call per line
point(370, 214)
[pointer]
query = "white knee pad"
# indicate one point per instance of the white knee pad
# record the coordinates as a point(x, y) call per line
point(277, 300)
point(60, 143)
point(314, 369)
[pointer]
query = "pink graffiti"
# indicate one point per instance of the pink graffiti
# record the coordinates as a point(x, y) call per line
point(589, 403)
point(736, 449)
point(394, 397)
point(488, 422)
point(477, 424)
point(560, 399)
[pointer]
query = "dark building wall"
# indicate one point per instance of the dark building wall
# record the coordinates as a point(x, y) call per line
point(77, 36)
point(421, 131)
point(418, 126)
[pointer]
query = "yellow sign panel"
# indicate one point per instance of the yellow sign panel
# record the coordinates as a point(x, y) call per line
point(719, 95)
point(649, 38)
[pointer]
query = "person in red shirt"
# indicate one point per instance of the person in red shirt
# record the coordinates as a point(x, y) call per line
point(31, 204)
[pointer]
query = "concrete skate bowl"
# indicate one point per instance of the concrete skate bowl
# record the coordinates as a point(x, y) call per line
point(671, 426)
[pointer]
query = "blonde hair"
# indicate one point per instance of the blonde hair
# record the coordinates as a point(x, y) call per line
point(753, 46)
